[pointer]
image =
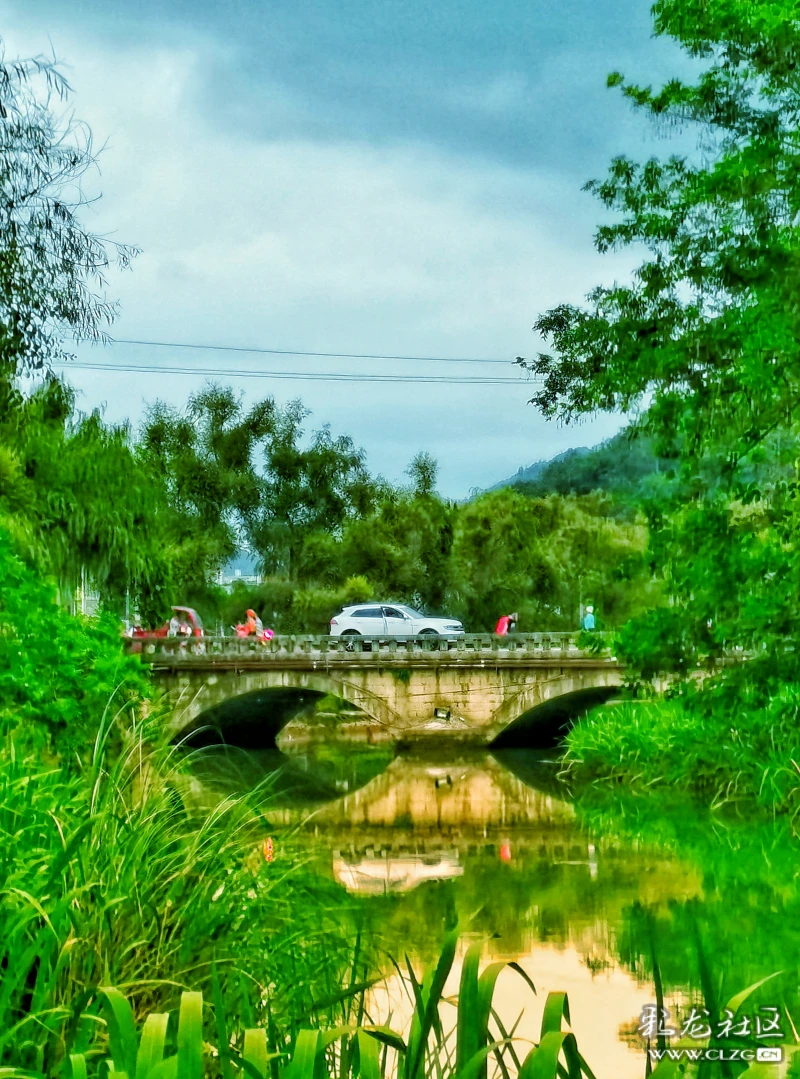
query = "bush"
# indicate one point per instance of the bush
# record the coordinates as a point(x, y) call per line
point(58, 673)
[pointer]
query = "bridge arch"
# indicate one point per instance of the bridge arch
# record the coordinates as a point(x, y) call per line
point(564, 685)
point(192, 698)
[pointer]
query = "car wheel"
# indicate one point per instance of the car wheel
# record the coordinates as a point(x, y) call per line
point(351, 632)
point(429, 633)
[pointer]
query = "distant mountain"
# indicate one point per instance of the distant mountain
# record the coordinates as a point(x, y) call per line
point(533, 473)
point(619, 465)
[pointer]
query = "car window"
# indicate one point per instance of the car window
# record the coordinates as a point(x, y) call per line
point(392, 612)
point(411, 612)
point(368, 612)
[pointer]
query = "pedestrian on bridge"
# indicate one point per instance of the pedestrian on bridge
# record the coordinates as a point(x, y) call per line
point(588, 620)
point(506, 624)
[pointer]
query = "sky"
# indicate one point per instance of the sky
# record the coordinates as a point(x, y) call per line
point(392, 177)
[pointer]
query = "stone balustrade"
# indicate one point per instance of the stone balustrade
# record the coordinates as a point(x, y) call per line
point(424, 649)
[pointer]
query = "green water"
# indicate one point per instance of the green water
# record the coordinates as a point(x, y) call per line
point(598, 896)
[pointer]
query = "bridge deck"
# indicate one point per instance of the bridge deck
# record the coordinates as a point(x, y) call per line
point(306, 651)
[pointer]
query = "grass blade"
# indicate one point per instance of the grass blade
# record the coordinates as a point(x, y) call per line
point(468, 1033)
point(735, 1003)
point(151, 1044)
point(543, 1062)
point(431, 998)
point(304, 1056)
point(121, 1029)
point(77, 1066)
point(254, 1050)
point(369, 1063)
point(190, 1037)
point(556, 1006)
point(387, 1036)
point(223, 1038)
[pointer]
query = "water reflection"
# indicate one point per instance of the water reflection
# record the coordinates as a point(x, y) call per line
point(600, 898)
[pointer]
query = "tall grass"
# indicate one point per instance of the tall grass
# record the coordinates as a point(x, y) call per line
point(722, 754)
point(194, 1041)
point(108, 878)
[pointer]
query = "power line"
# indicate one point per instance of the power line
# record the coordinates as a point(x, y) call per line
point(299, 352)
point(302, 376)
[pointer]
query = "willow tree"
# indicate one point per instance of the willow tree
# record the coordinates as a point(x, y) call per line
point(705, 339)
point(67, 484)
point(52, 269)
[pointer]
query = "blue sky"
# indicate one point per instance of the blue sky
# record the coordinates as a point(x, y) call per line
point(390, 177)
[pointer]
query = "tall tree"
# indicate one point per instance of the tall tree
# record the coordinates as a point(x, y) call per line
point(205, 457)
point(74, 495)
point(706, 336)
point(52, 270)
point(306, 490)
point(404, 545)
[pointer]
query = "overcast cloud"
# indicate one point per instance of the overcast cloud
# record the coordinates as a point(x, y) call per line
point(364, 177)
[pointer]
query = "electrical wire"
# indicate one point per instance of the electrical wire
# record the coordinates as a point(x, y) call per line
point(299, 352)
point(301, 376)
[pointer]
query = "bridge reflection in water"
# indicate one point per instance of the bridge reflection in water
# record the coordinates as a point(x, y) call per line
point(429, 837)
point(420, 818)
point(388, 823)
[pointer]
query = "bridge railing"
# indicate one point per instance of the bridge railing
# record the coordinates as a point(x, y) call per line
point(521, 645)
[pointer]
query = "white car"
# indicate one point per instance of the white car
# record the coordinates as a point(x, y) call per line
point(397, 620)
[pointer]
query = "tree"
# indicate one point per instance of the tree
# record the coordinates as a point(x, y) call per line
point(205, 459)
point(497, 565)
point(423, 471)
point(404, 545)
point(304, 491)
point(52, 270)
point(707, 334)
point(75, 497)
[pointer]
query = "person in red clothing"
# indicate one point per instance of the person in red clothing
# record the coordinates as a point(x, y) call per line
point(506, 624)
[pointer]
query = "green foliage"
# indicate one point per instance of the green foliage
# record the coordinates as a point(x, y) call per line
point(179, 1050)
point(744, 753)
point(110, 874)
point(404, 546)
point(79, 503)
point(58, 674)
point(498, 563)
point(288, 607)
point(543, 557)
point(205, 460)
point(706, 337)
point(52, 271)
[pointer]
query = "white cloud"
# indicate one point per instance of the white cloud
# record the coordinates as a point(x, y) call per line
point(325, 245)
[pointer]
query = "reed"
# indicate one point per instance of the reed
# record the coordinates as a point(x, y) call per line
point(109, 877)
point(721, 754)
point(103, 1037)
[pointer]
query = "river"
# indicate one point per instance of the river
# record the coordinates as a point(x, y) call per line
point(597, 895)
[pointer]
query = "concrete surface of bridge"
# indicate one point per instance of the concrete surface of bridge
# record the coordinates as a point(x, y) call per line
point(469, 688)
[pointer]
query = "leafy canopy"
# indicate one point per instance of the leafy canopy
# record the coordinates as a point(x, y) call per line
point(705, 336)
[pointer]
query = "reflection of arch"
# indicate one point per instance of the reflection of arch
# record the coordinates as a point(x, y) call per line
point(192, 699)
point(433, 795)
point(564, 686)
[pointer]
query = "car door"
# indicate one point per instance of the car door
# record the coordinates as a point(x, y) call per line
point(397, 625)
point(369, 621)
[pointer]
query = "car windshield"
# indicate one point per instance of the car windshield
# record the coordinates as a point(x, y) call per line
point(409, 611)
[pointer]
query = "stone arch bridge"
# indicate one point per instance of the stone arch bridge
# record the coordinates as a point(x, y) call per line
point(468, 689)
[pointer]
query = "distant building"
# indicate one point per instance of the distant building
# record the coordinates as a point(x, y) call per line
point(227, 580)
point(241, 569)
